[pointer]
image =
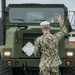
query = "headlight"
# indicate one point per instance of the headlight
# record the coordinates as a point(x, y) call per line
point(7, 53)
point(69, 53)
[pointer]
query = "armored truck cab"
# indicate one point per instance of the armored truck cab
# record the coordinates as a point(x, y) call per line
point(23, 27)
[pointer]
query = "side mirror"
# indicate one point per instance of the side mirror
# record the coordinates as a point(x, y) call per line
point(22, 26)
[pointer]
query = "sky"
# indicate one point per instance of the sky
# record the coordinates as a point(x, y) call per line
point(70, 4)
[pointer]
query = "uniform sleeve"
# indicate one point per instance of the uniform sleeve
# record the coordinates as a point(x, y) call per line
point(37, 47)
point(61, 33)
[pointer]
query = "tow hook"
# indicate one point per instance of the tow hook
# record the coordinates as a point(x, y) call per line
point(24, 66)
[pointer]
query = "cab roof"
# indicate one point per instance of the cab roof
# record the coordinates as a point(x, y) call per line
point(35, 4)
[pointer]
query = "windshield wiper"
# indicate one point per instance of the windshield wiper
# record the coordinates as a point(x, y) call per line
point(39, 20)
point(23, 24)
point(22, 20)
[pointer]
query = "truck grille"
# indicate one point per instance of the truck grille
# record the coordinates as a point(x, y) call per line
point(30, 38)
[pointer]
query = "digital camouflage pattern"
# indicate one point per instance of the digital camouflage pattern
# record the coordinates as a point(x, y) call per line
point(46, 46)
point(45, 24)
point(51, 71)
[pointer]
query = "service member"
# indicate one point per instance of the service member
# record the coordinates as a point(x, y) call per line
point(46, 46)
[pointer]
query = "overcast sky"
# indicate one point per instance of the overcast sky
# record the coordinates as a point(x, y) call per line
point(70, 4)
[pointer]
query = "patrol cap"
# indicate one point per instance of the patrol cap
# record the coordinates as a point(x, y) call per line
point(45, 24)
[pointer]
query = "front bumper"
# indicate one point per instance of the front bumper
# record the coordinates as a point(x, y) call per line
point(34, 62)
point(21, 62)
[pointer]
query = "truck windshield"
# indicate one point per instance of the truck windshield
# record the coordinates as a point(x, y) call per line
point(34, 15)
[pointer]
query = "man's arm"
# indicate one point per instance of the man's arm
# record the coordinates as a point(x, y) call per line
point(63, 29)
point(37, 46)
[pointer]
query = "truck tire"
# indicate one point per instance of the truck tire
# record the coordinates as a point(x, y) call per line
point(5, 70)
point(18, 71)
point(67, 71)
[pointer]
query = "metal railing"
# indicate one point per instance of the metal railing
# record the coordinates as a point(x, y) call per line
point(0, 15)
point(71, 15)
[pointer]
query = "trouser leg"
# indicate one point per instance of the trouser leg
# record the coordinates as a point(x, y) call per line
point(44, 72)
point(51, 71)
point(55, 71)
point(48, 73)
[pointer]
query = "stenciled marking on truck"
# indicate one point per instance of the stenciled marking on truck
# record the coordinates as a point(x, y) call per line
point(28, 48)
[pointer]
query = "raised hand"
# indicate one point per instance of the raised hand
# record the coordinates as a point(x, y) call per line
point(58, 16)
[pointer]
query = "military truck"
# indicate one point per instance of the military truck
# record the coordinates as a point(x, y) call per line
point(22, 25)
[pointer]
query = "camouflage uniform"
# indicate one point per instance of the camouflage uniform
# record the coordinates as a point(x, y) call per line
point(46, 46)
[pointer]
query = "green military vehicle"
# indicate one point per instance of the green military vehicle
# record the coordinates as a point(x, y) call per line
point(22, 25)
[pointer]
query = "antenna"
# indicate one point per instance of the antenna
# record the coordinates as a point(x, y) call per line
point(3, 19)
point(74, 17)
